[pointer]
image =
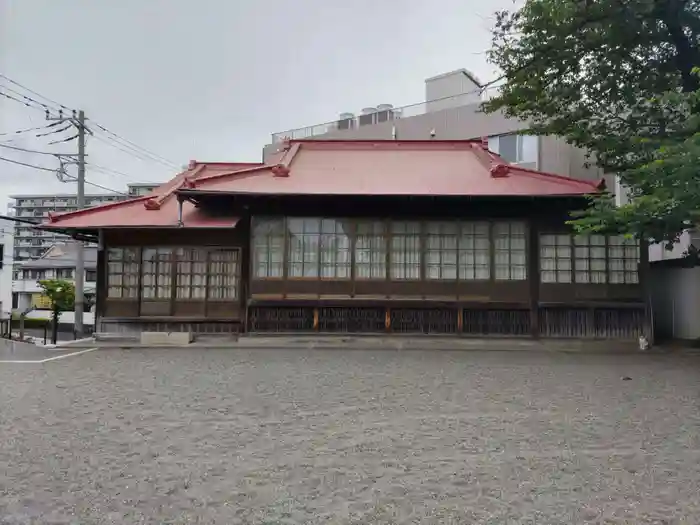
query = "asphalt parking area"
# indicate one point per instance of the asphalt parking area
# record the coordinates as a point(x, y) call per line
point(29, 354)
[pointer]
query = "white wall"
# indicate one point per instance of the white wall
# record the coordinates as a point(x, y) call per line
point(7, 240)
point(675, 296)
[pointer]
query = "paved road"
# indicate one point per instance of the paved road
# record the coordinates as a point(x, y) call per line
point(359, 437)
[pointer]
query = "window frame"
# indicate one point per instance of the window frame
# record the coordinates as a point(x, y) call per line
point(476, 249)
point(122, 261)
point(173, 274)
point(495, 140)
point(510, 250)
point(254, 262)
point(579, 246)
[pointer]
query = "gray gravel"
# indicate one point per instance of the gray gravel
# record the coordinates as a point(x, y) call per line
point(282, 437)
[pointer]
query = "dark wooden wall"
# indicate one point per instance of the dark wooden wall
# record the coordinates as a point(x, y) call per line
point(178, 309)
point(541, 303)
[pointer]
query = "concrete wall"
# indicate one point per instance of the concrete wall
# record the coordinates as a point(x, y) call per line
point(450, 90)
point(675, 295)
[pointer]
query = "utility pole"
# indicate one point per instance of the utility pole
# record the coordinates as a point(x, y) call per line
point(78, 120)
point(80, 257)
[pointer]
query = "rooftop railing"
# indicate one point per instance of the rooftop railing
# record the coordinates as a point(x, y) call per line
point(412, 110)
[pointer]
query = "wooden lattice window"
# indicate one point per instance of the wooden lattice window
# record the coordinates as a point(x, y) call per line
point(405, 250)
point(555, 258)
point(442, 239)
point(623, 260)
point(268, 248)
point(474, 251)
point(303, 252)
point(335, 249)
point(224, 271)
point(191, 274)
point(370, 250)
point(590, 262)
point(510, 250)
point(123, 267)
point(157, 279)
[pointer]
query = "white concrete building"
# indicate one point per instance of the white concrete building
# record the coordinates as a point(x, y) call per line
point(6, 247)
point(139, 189)
point(58, 262)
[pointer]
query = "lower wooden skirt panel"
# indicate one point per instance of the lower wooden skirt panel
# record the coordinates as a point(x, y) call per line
point(595, 322)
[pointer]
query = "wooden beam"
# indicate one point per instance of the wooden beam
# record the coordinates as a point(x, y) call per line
point(533, 275)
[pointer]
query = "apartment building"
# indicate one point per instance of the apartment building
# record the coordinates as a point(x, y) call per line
point(30, 243)
point(451, 110)
point(58, 262)
point(139, 189)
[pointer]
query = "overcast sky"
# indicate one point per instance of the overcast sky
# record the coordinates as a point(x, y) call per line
point(212, 79)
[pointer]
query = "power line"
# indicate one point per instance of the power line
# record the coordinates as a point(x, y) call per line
point(16, 148)
point(115, 140)
point(10, 97)
point(25, 97)
point(65, 128)
point(136, 146)
point(26, 130)
point(35, 93)
point(70, 177)
point(109, 171)
point(133, 152)
point(27, 165)
point(75, 179)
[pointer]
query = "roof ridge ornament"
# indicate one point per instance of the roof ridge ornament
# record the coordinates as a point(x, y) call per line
point(499, 170)
point(280, 170)
point(152, 204)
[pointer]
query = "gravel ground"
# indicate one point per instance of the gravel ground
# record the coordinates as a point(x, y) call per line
point(360, 437)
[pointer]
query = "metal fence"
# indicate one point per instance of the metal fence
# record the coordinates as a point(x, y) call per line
point(411, 110)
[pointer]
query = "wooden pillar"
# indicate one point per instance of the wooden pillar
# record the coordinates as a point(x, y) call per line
point(245, 270)
point(644, 274)
point(101, 284)
point(533, 276)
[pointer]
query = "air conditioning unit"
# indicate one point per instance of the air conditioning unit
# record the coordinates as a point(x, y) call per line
point(368, 116)
point(385, 112)
point(346, 121)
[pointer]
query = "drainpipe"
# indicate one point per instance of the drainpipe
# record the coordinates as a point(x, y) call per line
point(179, 211)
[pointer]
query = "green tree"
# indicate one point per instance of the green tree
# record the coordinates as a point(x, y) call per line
point(620, 79)
point(62, 296)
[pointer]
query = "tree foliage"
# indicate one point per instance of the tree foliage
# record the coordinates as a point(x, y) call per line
point(62, 296)
point(620, 79)
point(61, 293)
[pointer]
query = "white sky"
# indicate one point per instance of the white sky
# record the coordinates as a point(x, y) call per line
point(212, 79)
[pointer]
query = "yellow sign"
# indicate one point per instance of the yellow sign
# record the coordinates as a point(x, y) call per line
point(41, 301)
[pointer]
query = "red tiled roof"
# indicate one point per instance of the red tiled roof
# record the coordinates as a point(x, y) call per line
point(157, 209)
point(416, 168)
point(316, 167)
